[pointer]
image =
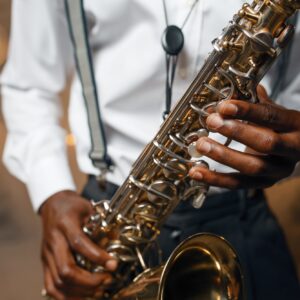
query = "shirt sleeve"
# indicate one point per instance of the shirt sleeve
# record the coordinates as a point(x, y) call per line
point(40, 60)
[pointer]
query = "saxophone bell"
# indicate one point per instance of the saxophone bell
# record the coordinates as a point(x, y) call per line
point(202, 267)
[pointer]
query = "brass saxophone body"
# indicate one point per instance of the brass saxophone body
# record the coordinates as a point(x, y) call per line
point(204, 266)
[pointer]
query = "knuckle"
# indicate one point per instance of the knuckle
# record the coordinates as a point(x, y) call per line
point(269, 113)
point(234, 129)
point(270, 143)
point(49, 244)
point(50, 239)
point(97, 256)
point(257, 168)
point(224, 181)
point(245, 109)
point(76, 242)
point(219, 152)
point(64, 224)
point(58, 283)
point(92, 251)
point(234, 181)
point(65, 273)
point(51, 291)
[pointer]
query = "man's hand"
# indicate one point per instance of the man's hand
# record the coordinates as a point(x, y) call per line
point(272, 131)
point(63, 216)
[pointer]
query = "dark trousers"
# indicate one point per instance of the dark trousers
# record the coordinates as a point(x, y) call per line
point(247, 223)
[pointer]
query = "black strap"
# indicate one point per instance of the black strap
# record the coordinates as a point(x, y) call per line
point(83, 57)
point(283, 64)
point(171, 63)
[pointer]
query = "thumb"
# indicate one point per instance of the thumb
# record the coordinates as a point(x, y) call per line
point(262, 94)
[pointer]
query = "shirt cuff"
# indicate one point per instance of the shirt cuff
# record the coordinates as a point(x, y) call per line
point(49, 176)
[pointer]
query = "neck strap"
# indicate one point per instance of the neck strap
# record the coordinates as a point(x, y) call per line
point(84, 64)
point(172, 42)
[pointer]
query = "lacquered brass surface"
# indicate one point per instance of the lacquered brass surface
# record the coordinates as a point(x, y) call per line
point(159, 179)
point(203, 267)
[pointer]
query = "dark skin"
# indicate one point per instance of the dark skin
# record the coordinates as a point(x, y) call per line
point(273, 134)
point(272, 137)
point(63, 216)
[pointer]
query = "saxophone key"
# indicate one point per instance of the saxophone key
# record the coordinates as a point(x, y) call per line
point(198, 200)
point(175, 170)
point(193, 152)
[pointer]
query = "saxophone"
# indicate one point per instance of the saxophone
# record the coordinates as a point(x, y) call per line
point(204, 266)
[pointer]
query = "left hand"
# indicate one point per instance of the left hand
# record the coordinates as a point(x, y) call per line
point(272, 131)
point(63, 215)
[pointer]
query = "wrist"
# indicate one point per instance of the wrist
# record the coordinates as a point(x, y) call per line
point(56, 198)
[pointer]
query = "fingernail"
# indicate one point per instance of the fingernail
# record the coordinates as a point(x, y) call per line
point(214, 121)
point(111, 265)
point(194, 173)
point(203, 146)
point(228, 108)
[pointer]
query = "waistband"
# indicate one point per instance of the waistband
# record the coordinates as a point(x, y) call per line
point(229, 204)
point(228, 198)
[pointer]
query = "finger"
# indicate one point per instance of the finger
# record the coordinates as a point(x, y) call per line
point(265, 114)
point(69, 272)
point(230, 180)
point(262, 94)
point(260, 139)
point(50, 287)
point(66, 288)
point(81, 244)
point(50, 263)
point(249, 164)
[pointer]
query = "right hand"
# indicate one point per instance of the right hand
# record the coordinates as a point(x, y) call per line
point(63, 216)
point(271, 134)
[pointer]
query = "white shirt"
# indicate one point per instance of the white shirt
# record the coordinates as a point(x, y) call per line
point(130, 74)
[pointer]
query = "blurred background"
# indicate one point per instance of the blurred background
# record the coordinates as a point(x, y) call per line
point(20, 230)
